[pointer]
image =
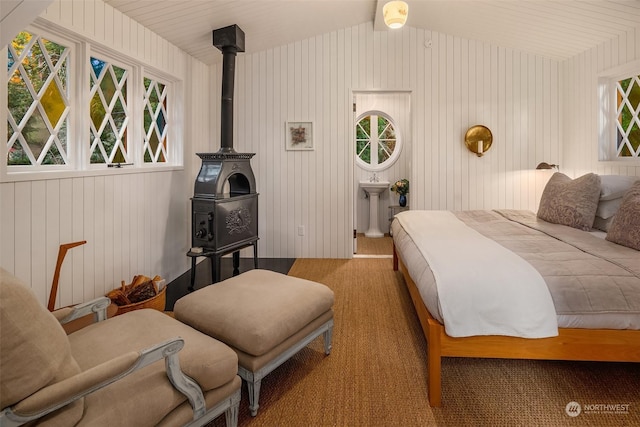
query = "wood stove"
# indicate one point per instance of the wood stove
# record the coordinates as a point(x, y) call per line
point(225, 202)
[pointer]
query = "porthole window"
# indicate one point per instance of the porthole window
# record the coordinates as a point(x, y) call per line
point(378, 142)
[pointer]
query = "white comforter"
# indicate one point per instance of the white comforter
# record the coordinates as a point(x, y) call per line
point(483, 288)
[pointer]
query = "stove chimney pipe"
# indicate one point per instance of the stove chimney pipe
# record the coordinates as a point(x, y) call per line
point(229, 40)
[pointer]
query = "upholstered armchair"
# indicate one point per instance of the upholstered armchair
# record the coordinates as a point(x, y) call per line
point(142, 368)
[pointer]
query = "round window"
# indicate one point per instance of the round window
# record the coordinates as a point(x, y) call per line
point(377, 141)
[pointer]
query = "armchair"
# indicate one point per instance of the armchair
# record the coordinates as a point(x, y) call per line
point(142, 368)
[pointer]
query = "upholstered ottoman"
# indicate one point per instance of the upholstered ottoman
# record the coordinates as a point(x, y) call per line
point(266, 317)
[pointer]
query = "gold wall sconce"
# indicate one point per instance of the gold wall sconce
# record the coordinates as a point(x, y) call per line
point(478, 139)
point(545, 165)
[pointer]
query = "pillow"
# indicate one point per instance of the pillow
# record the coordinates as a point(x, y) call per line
point(602, 224)
point(615, 186)
point(571, 202)
point(608, 208)
point(34, 349)
point(625, 227)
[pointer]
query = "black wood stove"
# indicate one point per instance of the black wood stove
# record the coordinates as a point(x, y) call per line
point(225, 202)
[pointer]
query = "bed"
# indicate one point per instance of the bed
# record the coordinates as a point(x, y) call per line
point(592, 279)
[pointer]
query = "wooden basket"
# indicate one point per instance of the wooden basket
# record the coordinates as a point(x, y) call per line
point(157, 303)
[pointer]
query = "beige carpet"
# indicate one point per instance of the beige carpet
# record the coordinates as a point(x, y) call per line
point(376, 376)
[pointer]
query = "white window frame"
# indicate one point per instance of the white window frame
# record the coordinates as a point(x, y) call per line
point(79, 86)
point(73, 89)
point(607, 112)
point(378, 167)
point(174, 117)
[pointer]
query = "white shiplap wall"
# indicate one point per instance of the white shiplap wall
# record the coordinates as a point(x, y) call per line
point(455, 83)
point(580, 130)
point(135, 223)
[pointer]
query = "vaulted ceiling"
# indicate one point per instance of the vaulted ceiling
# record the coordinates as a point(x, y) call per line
point(556, 29)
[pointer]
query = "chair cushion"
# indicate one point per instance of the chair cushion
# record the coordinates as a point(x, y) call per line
point(34, 349)
point(209, 362)
point(255, 311)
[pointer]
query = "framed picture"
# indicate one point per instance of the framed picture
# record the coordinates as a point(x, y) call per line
point(299, 136)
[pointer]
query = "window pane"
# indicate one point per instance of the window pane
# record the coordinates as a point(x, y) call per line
point(109, 112)
point(38, 101)
point(628, 107)
point(155, 121)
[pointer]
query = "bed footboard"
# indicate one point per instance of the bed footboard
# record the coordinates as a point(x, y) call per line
point(603, 345)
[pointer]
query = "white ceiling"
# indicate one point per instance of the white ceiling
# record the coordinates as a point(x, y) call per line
point(557, 29)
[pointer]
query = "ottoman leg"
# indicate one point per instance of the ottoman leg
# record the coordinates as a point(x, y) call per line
point(254, 381)
point(231, 415)
point(254, 394)
point(327, 335)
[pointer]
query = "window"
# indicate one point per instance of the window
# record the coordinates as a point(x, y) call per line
point(619, 101)
point(38, 101)
point(628, 117)
point(377, 141)
point(155, 121)
point(121, 113)
point(109, 113)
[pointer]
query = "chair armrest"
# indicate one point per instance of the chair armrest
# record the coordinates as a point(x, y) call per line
point(64, 392)
point(97, 306)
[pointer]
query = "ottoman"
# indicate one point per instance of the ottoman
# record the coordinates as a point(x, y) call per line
point(264, 316)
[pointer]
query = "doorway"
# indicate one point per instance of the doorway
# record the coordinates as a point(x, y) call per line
point(382, 139)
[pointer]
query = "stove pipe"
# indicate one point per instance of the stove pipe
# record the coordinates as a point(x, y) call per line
point(229, 40)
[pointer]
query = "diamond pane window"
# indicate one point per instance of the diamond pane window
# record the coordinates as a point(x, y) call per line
point(628, 117)
point(375, 133)
point(109, 112)
point(155, 121)
point(38, 101)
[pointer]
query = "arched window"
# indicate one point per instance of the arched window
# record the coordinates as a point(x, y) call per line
point(378, 142)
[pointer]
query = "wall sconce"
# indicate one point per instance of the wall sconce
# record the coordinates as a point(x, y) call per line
point(395, 13)
point(545, 165)
point(478, 139)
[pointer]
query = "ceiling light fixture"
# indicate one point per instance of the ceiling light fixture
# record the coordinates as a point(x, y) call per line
point(395, 13)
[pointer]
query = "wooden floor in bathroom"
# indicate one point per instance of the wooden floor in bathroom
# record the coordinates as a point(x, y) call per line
point(374, 246)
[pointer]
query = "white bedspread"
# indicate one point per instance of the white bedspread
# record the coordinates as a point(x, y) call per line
point(483, 288)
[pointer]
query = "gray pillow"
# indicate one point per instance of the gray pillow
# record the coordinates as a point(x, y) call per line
point(608, 208)
point(602, 224)
point(571, 202)
point(615, 186)
point(625, 227)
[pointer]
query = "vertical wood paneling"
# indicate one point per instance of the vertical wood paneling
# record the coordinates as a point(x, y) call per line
point(38, 231)
point(580, 106)
point(454, 84)
point(133, 223)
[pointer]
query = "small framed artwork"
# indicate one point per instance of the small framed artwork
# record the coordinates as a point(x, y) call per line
point(299, 136)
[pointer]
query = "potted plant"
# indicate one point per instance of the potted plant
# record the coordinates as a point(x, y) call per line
point(401, 187)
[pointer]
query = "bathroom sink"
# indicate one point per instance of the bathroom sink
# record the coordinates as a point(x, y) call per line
point(372, 187)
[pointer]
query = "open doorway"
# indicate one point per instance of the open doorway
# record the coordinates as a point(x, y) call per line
point(382, 139)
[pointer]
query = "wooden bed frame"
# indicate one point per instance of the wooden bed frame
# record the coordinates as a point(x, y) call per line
point(603, 345)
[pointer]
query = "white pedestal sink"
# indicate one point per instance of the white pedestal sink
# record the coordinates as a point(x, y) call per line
point(373, 189)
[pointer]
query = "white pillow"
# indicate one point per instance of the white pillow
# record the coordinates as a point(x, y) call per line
point(608, 208)
point(614, 186)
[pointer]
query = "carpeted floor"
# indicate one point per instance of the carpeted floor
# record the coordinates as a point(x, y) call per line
point(376, 376)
